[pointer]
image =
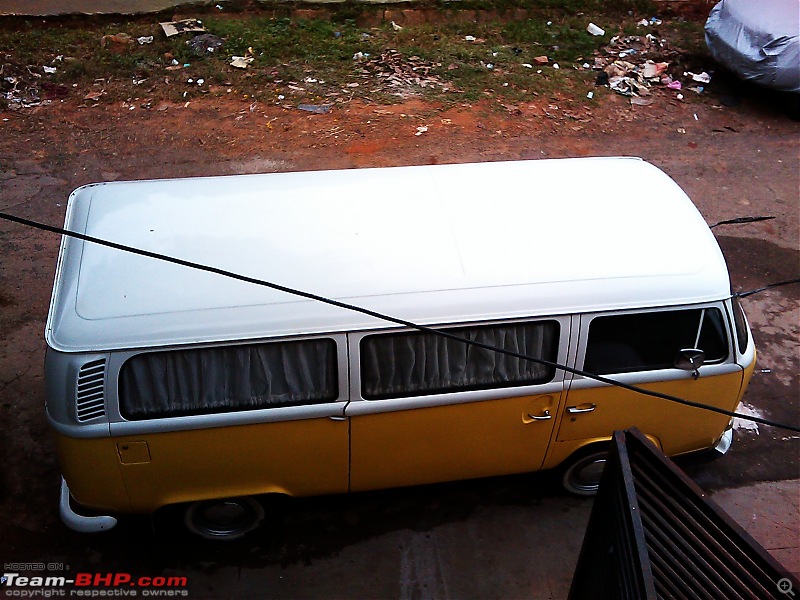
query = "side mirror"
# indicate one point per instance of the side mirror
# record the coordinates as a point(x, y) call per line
point(690, 359)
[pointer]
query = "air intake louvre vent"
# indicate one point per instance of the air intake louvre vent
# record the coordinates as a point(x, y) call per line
point(90, 396)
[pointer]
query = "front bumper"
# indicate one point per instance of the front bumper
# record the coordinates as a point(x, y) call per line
point(707, 454)
point(81, 523)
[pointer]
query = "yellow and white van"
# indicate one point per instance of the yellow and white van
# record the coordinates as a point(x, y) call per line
point(169, 385)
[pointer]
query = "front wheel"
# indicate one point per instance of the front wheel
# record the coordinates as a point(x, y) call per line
point(224, 520)
point(582, 473)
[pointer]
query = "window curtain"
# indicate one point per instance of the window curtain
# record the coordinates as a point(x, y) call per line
point(414, 364)
point(226, 378)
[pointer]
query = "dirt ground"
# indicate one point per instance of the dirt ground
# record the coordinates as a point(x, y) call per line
point(732, 161)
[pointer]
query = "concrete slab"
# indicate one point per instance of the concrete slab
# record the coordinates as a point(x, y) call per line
point(770, 512)
point(44, 8)
point(47, 8)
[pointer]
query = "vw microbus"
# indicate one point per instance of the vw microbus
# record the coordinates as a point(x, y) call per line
point(168, 385)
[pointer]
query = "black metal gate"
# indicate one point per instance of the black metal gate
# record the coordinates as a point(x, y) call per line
point(653, 533)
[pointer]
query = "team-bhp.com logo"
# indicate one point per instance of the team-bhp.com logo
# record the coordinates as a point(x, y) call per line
point(91, 585)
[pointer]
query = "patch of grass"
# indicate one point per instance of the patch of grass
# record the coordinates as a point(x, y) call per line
point(317, 54)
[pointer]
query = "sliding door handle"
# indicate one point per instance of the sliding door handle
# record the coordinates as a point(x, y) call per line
point(576, 410)
point(543, 417)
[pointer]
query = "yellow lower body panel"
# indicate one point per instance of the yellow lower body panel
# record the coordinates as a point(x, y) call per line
point(448, 443)
point(679, 428)
point(143, 473)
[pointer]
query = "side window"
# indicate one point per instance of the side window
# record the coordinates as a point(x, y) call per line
point(228, 378)
point(741, 325)
point(649, 341)
point(414, 364)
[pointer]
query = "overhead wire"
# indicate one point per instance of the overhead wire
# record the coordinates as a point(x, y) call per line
point(391, 319)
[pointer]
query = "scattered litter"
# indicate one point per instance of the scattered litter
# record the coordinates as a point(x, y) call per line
point(241, 62)
point(626, 86)
point(218, 7)
point(549, 23)
point(632, 65)
point(695, 117)
point(94, 96)
point(318, 109)
point(698, 77)
point(639, 101)
point(489, 66)
point(49, 70)
point(183, 26)
point(595, 30)
point(766, 370)
point(653, 71)
point(201, 81)
point(555, 66)
point(648, 23)
point(402, 75)
point(470, 38)
point(145, 39)
point(396, 27)
point(681, 130)
point(360, 55)
point(590, 95)
point(527, 65)
point(421, 129)
point(679, 96)
point(541, 60)
point(746, 409)
point(697, 89)
point(205, 43)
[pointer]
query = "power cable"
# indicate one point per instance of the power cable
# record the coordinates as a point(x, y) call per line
point(390, 319)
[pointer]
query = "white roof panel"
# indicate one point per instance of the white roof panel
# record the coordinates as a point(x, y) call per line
point(433, 244)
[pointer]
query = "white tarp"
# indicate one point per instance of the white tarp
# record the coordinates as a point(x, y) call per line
point(758, 40)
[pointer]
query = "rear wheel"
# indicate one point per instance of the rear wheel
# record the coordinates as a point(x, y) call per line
point(582, 472)
point(224, 520)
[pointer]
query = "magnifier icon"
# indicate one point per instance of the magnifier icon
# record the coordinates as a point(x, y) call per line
point(785, 587)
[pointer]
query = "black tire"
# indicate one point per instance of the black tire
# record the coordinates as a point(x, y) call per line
point(225, 520)
point(582, 471)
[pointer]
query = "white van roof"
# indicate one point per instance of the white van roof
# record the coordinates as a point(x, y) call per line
point(429, 244)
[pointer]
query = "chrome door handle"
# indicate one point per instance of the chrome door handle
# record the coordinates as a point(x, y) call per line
point(574, 410)
point(543, 417)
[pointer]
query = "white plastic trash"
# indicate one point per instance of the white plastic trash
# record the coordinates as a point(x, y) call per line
point(595, 30)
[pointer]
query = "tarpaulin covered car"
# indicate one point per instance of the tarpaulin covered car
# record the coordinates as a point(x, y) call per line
point(758, 41)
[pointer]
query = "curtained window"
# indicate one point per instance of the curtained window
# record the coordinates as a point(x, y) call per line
point(228, 378)
point(415, 364)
